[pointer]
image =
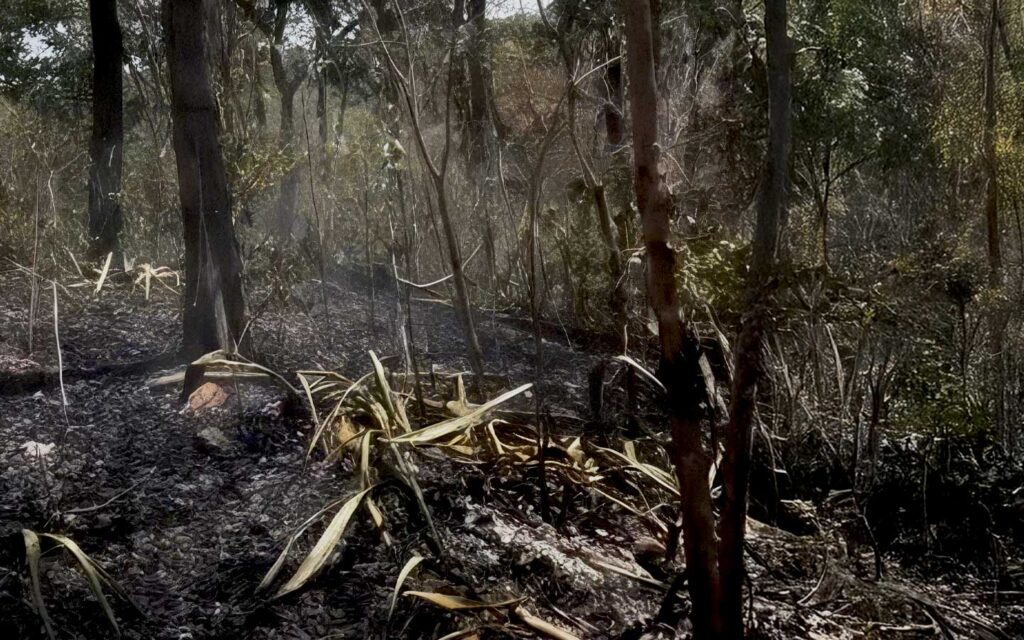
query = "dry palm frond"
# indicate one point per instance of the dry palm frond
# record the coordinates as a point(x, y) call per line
point(317, 558)
point(95, 576)
point(103, 273)
point(365, 420)
point(406, 570)
point(32, 555)
point(460, 603)
point(279, 563)
point(542, 626)
point(147, 274)
point(222, 362)
point(435, 432)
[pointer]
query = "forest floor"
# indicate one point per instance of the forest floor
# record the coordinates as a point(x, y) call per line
point(188, 512)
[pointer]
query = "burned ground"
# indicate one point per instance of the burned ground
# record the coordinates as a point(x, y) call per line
point(188, 512)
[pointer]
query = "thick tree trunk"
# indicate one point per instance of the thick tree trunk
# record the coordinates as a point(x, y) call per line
point(771, 220)
point(679, 368)
point(214, 309)
point(106, 145)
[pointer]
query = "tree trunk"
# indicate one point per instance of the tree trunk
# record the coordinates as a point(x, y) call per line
point(463, 308)
point(480, 127)
point(995, 258)
point(214, 309)
point(679, 369)
point(614, 263)
point(284, 208)
point(613, 121)
point(771, 220)
point(287, 87)
point(321, 90)
point(106, 145)
point(999, 316)
point(406, 83)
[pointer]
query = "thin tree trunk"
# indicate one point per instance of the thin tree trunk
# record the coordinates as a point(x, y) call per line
point(679, 369)
point(463, 310)
point(480, 127)
point(748, 367)
point(287, 197)
point(321, 91)
point(995, 258)
point(214, 309)
point(614, 123)
point(285, 213)
point(106, 144)
point(999, 316)
point(438, 171)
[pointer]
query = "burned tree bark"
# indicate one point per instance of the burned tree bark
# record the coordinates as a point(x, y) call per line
point(995, 257)
point(999, 316)
point(748, 366)
point(106, 144)
point(214, 309)
point(614, 124)
point(679, 369)
point(480, 126)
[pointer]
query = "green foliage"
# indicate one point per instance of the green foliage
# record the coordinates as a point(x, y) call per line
point(712, 274)
point(45, 54)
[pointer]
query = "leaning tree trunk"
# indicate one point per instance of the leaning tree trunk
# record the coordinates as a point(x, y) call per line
point(771, 220)
point(214, 309)
point(107, 142)
point(679, 369)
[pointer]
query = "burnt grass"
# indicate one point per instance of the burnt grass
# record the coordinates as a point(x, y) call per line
point(189, 527)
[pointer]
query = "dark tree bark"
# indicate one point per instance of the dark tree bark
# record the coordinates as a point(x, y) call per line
point(999, 317)
point(613, 121)
point(995, 257)
point(748, 365)
point(106, 145)
point(679, 368)
point(214, 308)
point(480, 126)
point(321, 89)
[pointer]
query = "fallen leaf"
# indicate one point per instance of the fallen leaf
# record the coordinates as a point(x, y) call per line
point(207, 396)
point(37, 449)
